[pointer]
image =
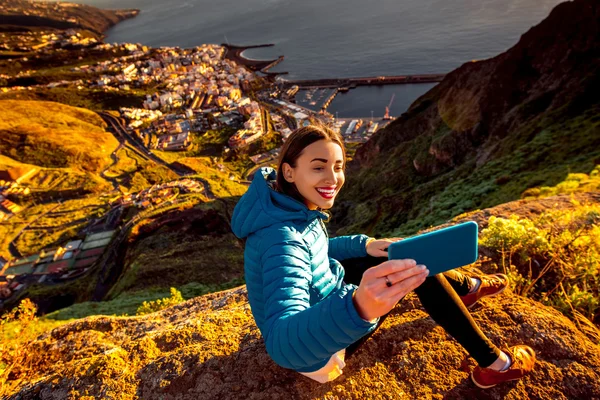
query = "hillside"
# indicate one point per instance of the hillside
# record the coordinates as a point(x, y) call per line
point(25, 15)
point(488, 132)
point(182, 246)
point(512, 143)
point(53, 135)
point(210, 348)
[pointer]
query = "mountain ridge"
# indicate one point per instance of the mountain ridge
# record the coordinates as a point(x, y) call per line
point(531, 109)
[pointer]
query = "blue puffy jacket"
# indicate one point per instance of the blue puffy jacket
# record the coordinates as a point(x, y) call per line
point(295, 285)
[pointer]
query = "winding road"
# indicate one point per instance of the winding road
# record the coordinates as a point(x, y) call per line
point(121, 134)
point(115, 160)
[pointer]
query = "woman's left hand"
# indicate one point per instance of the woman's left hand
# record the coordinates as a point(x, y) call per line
point(378, 247)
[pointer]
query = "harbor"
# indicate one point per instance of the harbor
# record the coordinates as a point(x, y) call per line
point(359, 130)
point(340, 95)
point(321, 95)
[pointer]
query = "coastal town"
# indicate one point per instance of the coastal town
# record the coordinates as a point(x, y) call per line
point(201, 90)
point(187, 93)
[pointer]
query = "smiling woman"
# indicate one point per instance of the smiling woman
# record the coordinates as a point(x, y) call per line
point(316, 299)
point(312, 170)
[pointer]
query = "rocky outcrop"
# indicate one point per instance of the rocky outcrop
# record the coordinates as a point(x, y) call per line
point(210, 348)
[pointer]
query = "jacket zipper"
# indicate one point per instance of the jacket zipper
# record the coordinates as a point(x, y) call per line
point(324, 229)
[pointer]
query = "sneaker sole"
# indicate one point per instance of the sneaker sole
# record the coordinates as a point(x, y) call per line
point(488, 295)
point(480, 386)
point(489, 386)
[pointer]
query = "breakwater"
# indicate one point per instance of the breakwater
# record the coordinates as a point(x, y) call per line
point(349, 83)
point(234, 53)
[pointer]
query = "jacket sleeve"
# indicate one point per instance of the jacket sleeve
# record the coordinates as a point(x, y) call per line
point(297, 335)
point(351, 246)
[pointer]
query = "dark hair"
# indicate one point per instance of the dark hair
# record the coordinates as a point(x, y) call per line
point(293, 148)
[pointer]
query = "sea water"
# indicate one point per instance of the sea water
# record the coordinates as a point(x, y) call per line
point(341, 38)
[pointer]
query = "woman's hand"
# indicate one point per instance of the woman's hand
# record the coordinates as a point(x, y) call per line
point(374, 297)
point(378, 247)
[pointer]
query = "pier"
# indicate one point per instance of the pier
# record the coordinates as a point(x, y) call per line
point(329, 99)
point(349, 83)
point(234, 53)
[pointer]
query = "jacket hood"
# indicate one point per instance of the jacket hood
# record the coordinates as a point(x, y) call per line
point(262, 206)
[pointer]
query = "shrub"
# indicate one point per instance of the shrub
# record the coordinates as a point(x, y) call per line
point(515, 236)
point(559, 257)
point(577, 182)
point(148, 307)
point(16, 332)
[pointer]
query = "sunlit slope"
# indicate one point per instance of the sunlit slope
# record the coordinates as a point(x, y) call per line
point(54, 135)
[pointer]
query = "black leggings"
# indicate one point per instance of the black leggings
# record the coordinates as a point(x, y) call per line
point(439, 296)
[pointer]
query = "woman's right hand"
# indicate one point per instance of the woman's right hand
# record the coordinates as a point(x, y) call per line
point(374, 298)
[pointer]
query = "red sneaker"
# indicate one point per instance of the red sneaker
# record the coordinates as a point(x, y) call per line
point(491, 285)
point(523, 360)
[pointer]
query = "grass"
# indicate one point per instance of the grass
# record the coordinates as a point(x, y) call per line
point(574, 183)
point(81, 193)
point(52, 179)
point(127, 303)
point(553, 258)
point(220, 183)
point(8, 230)
point(14, 225)
point(207, 144)
point(178, 260)
point(181, 247)
point(149, 174)
point(128, 163)
point(89, 98)
point(12, 329)
point(54, 135)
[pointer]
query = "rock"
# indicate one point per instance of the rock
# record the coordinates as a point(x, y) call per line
point(210, 348)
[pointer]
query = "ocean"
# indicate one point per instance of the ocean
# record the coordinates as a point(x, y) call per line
point(341, 38)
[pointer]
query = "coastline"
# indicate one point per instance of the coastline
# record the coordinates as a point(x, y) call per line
point(24, 17)
point(122, 14)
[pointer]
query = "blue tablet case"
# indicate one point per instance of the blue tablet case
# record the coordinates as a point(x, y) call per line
point(440, 250)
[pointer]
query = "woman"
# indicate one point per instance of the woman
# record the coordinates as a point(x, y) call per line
point(313, 311)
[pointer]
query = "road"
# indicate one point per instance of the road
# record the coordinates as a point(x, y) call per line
point(115, 160)
point(120, 133)
point(249, 174)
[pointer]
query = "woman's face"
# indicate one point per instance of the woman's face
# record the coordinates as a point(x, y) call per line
point(319, 173)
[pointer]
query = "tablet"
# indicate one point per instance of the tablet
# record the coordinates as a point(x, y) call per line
point(440, 250)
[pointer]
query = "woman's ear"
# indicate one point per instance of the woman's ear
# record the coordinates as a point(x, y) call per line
point(288, 172)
